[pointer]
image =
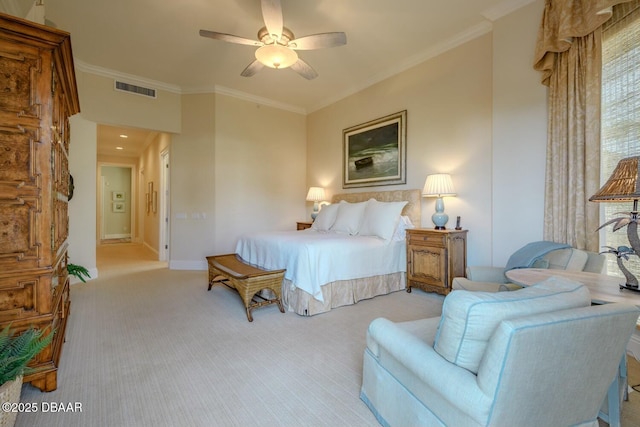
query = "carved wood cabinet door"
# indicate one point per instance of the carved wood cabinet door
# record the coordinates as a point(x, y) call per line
point(38, 94)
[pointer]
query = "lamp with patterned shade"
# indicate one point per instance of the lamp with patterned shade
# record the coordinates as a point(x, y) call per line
point(315, 195)
point(623, 185)
point(439, 185)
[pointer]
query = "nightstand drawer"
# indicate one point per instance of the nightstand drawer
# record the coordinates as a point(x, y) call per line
point(427, 239)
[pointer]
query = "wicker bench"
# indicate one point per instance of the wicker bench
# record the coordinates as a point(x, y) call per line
point(247, 279)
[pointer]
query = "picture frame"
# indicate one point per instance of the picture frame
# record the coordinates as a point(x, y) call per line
point(118, 207)
point(118, 196)
point(147, 202)
point(154, 202)
point(375, 152)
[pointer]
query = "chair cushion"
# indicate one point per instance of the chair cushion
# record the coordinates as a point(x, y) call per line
point(469, 318)
point(567, 259)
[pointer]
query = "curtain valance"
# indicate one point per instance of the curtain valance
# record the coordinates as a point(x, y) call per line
point(563, 20)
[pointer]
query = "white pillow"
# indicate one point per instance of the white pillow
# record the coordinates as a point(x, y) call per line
point(325, 218)
point(381, 218)
point(349, 217)
point(401, 230)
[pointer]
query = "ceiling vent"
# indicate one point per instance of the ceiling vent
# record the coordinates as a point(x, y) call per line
point(138, 90)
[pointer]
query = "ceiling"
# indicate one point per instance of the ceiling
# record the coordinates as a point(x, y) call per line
point(157, 42)
point(122, 141)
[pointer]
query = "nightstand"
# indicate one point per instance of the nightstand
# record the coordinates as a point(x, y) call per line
point(303, 225)
point(434, 258)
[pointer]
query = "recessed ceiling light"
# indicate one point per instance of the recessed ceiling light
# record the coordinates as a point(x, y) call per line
point(119, 148)
point(124, 136)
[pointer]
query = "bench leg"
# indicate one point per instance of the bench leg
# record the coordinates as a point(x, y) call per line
point(212, 281)
point(278, 299)
point(252, 306)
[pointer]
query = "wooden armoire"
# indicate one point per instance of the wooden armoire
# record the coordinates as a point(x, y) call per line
point(38, 94)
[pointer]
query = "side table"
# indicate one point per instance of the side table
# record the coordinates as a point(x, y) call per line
point(434, 258)
point(303, 225)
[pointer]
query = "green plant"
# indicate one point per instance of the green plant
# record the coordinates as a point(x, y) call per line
point(16, 351)
point(78, 271)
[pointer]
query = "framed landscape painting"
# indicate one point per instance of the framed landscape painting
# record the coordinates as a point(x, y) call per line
point(375, 153)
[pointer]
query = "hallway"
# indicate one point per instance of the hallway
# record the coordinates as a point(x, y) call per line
point(123, 258)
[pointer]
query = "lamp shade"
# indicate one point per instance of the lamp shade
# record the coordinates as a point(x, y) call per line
point(276, 56)
point(315, 194)
point(438, 185)
point(623, 183)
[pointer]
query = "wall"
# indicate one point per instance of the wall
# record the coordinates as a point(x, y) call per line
point(236, 167)
point(260, 166)
point(192, 183)
point(448, 103)
point(116, 179)
point(82, 207)
point(149, 172)
point(101, 103)
point(132, 164)
point(520, 134)
point(477, 112)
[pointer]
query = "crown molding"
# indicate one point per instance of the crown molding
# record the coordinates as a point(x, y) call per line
point(504, 8)
point(491, 15)
point(129, 78)
point(223, 90)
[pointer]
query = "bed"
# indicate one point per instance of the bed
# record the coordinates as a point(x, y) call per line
point(326, 269)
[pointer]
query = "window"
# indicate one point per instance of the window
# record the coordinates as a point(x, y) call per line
point(620, 113)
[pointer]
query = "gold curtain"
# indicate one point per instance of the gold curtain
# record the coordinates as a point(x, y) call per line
point(569, 56)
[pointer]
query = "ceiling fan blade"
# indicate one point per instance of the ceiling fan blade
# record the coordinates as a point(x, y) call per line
point(229, 38)
point(318, 41)
point(304, 69)
point(272, 15)
point(252, 68)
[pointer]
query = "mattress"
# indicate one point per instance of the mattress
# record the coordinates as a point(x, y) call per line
point(313, 259)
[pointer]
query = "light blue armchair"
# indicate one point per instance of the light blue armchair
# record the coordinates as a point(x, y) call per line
point(541, 356)
point(493, 279)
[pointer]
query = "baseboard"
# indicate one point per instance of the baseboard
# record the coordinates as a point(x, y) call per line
point(188, 265)
point(117, 236)
point(152, 249)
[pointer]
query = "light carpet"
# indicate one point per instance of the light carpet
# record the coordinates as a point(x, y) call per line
point(148, 346)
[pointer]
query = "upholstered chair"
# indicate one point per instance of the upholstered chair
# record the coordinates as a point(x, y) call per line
point(542, 356)
point(493, 279)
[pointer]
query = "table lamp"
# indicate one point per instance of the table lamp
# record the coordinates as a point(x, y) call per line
point(623, 185)
point(439, 185)
point(315, 195)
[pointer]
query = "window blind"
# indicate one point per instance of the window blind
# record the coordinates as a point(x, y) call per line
point(620, 127)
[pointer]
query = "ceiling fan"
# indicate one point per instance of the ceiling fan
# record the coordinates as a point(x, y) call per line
point(277, 44)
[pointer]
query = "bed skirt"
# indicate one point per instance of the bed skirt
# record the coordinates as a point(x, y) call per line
point(339, 293)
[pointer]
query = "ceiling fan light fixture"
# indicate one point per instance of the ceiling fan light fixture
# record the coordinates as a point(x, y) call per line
point(276, 56)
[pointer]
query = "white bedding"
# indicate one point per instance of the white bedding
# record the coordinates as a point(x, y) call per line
point(313, 259)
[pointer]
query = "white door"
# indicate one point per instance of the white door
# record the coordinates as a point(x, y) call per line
point(165, 211)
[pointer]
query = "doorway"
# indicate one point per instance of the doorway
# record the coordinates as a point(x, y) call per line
point(117, 203)
point(164, 206)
